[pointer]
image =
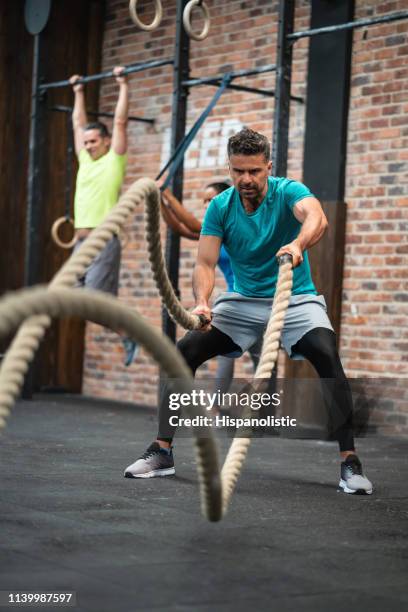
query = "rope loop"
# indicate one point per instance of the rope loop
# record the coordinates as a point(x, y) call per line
point(148, 27)
point(36, 307)
point(187, 19)
point(54, 233)
point(170, 300)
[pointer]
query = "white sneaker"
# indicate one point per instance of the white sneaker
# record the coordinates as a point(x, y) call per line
point(154, 462)
point(352, 479)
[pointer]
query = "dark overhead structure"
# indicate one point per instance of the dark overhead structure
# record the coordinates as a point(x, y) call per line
point(178, 131)
point(323, 12)
point(328, 93)
point(68, 109)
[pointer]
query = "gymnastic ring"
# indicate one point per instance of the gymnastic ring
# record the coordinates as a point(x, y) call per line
point(146, 26)
point(187, 19)
point(54, 233)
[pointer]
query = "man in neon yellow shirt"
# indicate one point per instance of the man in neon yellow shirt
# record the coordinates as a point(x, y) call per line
point(102, 164)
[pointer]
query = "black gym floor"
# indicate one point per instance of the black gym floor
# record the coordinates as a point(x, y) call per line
point(290, 541)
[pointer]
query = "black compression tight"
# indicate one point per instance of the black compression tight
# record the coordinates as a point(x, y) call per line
point(196, 348)
point(319, 347)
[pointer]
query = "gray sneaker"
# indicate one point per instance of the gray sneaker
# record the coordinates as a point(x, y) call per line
point(352, 479)
point(154, 462)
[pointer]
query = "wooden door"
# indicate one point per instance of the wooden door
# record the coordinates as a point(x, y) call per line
point(72, 42)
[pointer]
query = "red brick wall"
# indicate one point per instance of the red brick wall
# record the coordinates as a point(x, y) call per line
point(374, 331)
point(243, 35)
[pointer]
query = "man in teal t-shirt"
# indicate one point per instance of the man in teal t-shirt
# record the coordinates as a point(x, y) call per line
point(257, 220)
point(243, 235)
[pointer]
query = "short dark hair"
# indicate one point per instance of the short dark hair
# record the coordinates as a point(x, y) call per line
point(219, 187)
point(249, 142)
point(98, 125)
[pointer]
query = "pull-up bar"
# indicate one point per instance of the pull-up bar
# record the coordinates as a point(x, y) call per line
point(351, 25)
point(69, 109)
point(231, 75)
point(217, 80)
point(181, 149)
point(263, 92)
point(223, 83)
point(108, 74)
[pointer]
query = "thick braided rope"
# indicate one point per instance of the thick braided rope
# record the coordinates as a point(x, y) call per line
point(239, 447)
point(27, 340)
point(108, 311)
point(215, 495)
point(24, 346)
point(105, 310)
point(170, 300)
point(270, 348)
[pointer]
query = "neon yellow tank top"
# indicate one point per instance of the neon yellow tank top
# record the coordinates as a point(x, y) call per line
point(97, 187)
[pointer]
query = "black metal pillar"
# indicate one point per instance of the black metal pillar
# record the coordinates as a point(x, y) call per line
point(178, 129)
point(68, 171)
point(282, 88)
point(34, 216)
point(328, 92)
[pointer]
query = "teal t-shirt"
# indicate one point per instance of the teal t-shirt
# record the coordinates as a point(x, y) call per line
point(252, 240)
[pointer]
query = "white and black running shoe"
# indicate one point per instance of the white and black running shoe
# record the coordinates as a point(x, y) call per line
point(352, 479)
point(156, 461)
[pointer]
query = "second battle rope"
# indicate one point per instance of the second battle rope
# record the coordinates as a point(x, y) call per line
point(22, 350)
point(239, 447)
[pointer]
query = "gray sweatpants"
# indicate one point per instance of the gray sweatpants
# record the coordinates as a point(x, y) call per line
point(103, 273)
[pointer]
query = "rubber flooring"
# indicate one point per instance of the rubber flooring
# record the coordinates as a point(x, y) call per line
point(69, 521)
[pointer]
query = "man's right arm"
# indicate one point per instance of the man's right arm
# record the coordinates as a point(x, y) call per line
point(79, 116)
point(204, 273)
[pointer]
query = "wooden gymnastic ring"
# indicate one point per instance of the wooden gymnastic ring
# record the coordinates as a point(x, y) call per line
point(187, 19)
point(146, 26)
point(54, 233)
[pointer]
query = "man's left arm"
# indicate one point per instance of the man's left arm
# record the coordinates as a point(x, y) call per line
point(119, 135)
point(309, 213)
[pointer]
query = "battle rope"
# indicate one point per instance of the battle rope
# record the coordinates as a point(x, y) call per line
point(269, 354)
point(178, 313)
point(216, 489)
point(108, 311)
point(239, 447)
point(146, 26)
point(187, 19)
point(32, 331)
point(270, 348)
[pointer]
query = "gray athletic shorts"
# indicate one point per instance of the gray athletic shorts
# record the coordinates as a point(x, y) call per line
point(103, 273)
point(244, 319)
